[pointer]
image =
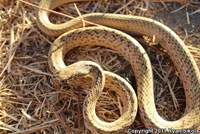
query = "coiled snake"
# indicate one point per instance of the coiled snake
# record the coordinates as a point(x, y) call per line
point(132, 52)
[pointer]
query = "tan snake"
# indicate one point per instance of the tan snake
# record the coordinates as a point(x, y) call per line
point(132, 52)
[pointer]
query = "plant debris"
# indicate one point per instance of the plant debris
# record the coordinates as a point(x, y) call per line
point(32, 102)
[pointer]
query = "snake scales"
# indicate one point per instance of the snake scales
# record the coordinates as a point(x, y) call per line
point(132, 52)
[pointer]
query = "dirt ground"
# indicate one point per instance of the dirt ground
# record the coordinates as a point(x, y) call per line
point(178, 19)
point(32, 102)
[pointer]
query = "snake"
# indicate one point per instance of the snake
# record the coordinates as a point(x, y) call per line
point(113, 31)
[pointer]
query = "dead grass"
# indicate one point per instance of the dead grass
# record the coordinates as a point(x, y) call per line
point(31, 102)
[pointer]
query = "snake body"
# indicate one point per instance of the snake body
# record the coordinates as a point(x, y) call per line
point(130, 49)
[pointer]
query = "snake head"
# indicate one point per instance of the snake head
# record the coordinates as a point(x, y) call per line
point(78, 69)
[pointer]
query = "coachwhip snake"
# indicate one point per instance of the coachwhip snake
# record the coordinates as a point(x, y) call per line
point(132, 52)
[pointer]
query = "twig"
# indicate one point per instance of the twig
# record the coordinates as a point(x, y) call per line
point(58, 13)
point(11, 128)
point(62, 122)
point(35, 70)
point(83, 22)
point(79, 114)
point(8, 63)
point(124, 6)
point(38, 127)
point(12, 40)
